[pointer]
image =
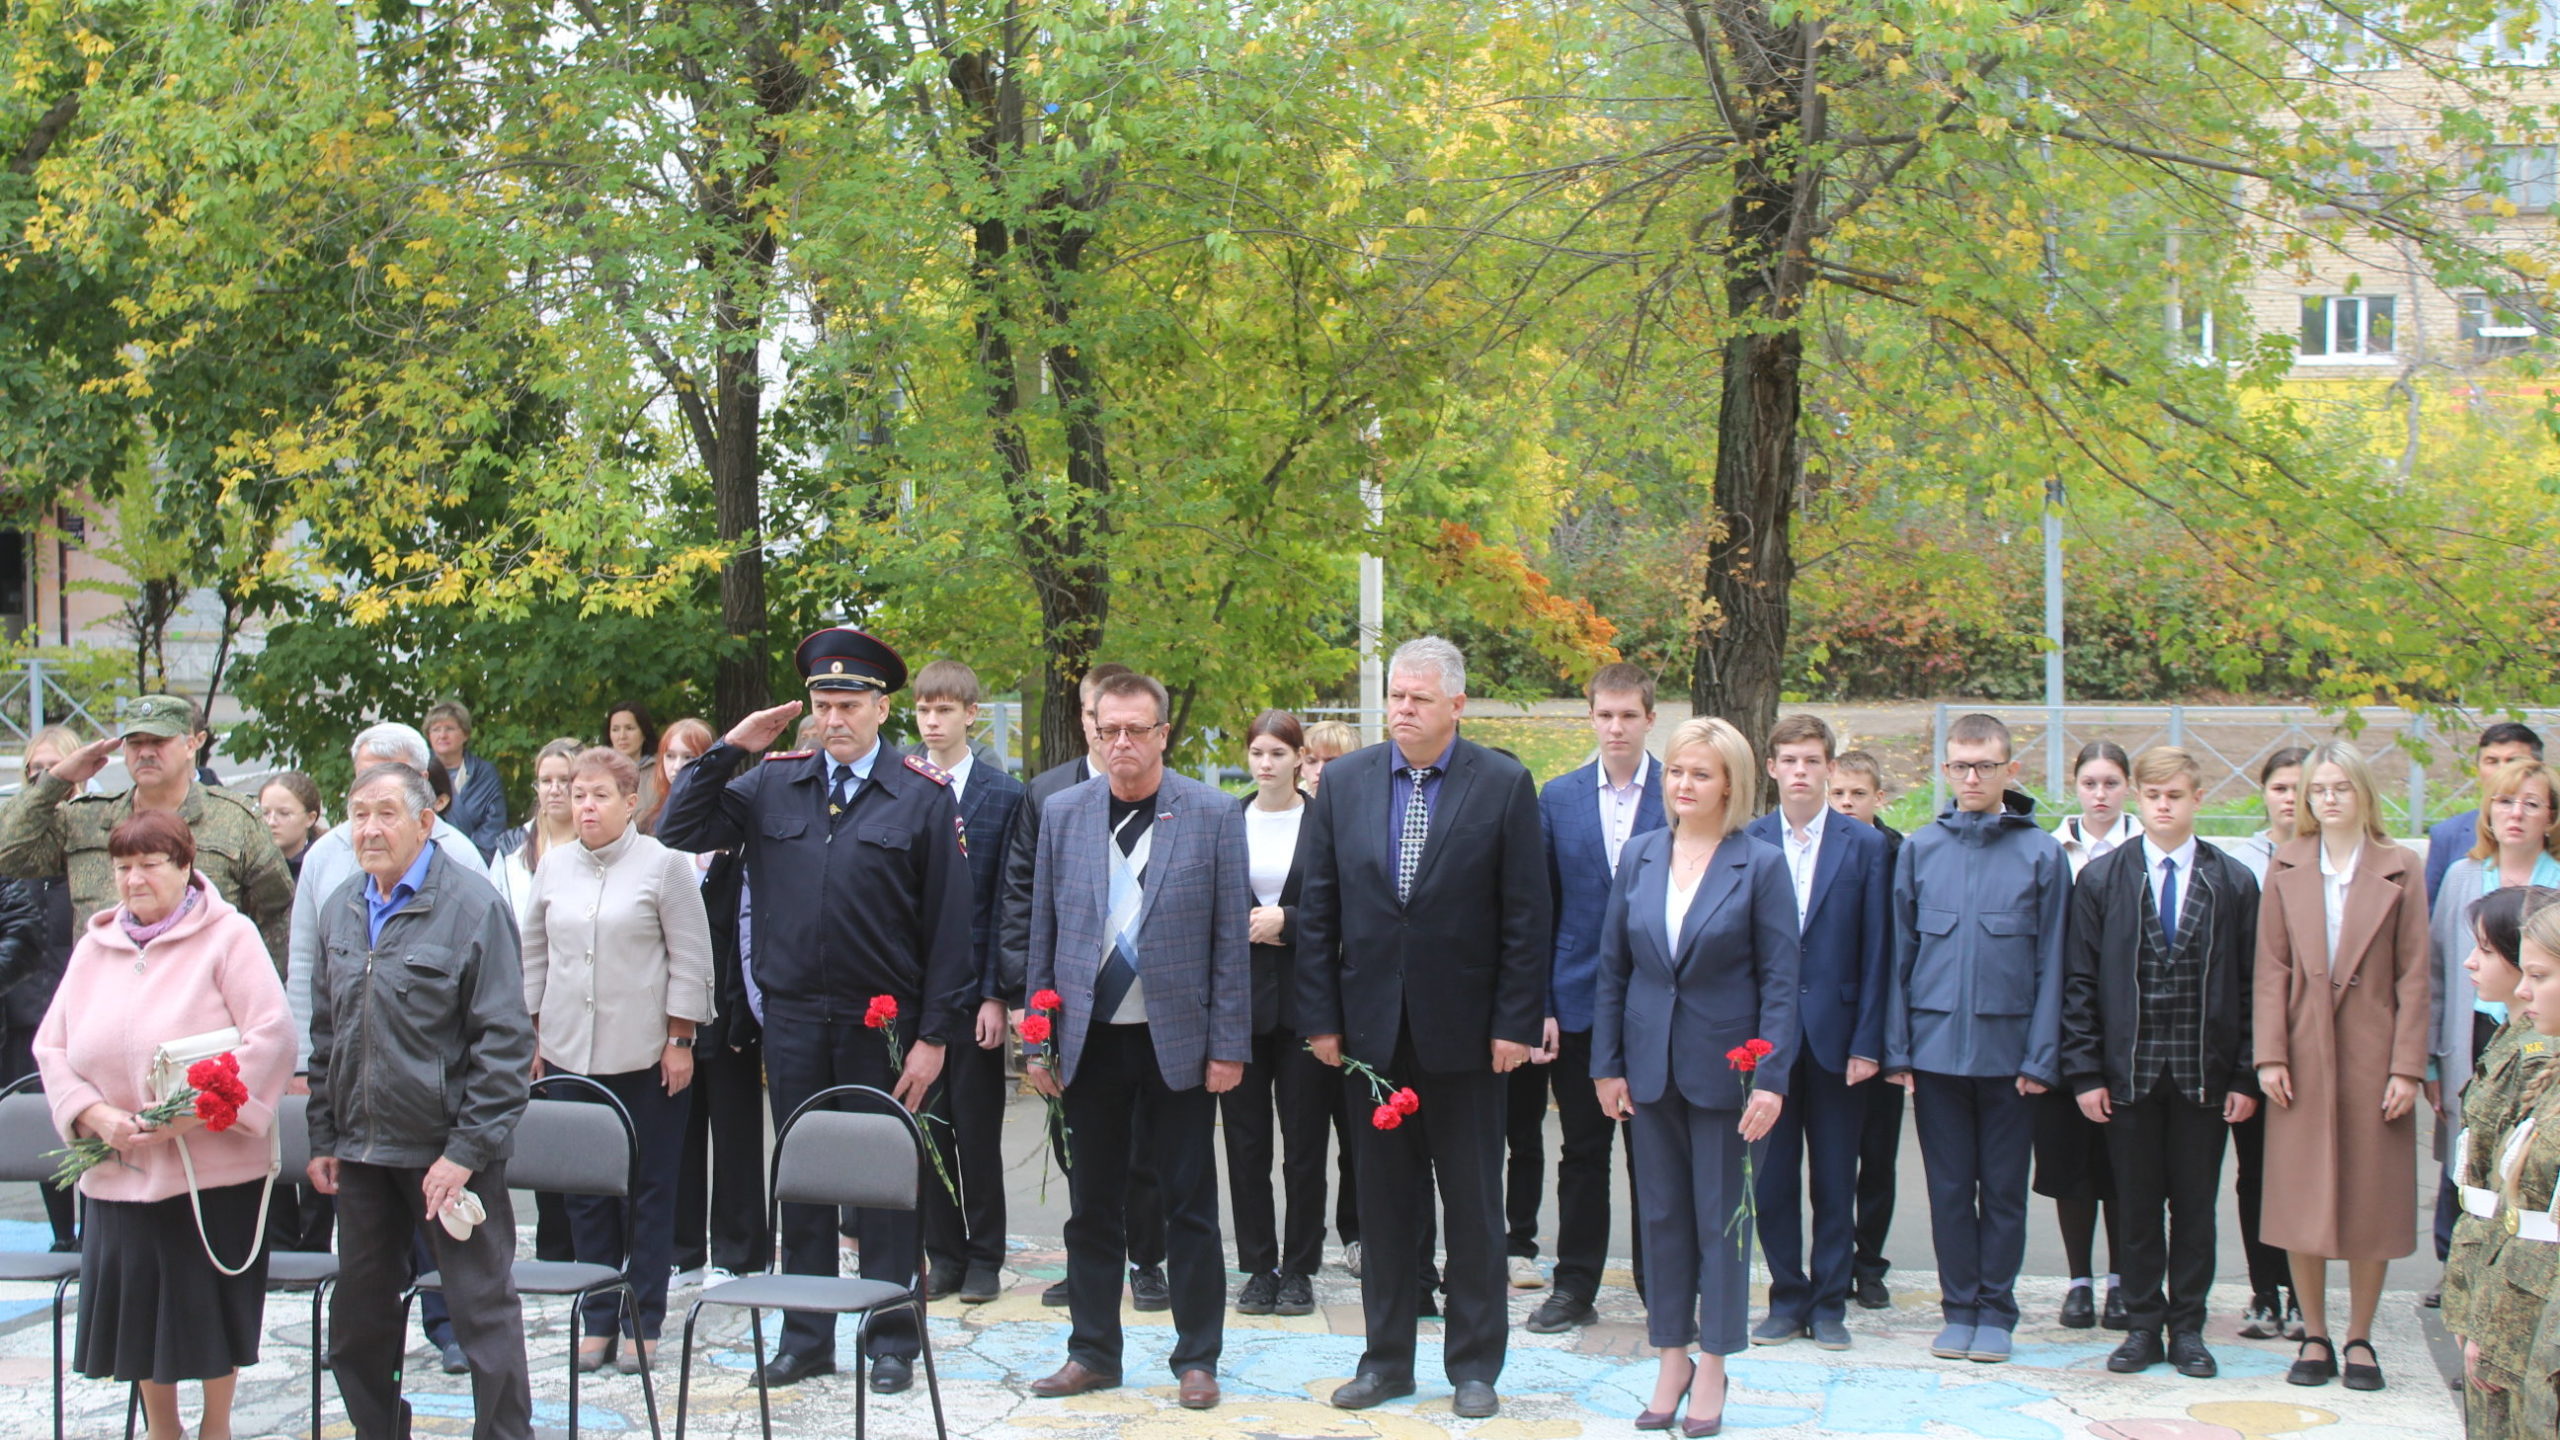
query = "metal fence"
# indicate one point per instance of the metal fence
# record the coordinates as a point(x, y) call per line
point(31, 699)
point(2424, 768)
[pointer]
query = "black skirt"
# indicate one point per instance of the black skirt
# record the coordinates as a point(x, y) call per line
point(2071, 1151)
point(152, 1307)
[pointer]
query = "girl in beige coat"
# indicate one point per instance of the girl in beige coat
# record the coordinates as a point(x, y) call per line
point(2341, 1039)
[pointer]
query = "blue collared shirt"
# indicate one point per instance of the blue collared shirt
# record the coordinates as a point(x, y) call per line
point(1400, 790)
point(404, 890)
point(860, 767)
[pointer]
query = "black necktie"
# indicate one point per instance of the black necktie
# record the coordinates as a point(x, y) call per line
point(842, 799)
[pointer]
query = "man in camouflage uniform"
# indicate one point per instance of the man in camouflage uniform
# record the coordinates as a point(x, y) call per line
point(52, 831)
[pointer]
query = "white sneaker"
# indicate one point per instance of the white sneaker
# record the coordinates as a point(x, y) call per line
point(1525, 1274)
point(1351, 1259)
point(716, 1275)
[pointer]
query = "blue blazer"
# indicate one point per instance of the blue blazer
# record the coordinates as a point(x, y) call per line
point(1848, 938)
point(1668, 1010)
point(1578, 874)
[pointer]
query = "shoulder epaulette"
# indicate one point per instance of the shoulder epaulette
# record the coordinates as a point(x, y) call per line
point(790, 755)
point(928, 770)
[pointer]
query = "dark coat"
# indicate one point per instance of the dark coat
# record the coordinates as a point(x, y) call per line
point(1013, 901)
point(480, 805)
point(1670, 1008)
point(1463, 960)
point(2102, 963)
point(1847, 938)
point(1275, 967)
point(1578, 874)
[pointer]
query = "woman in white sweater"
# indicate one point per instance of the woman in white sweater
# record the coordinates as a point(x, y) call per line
point(617, 973)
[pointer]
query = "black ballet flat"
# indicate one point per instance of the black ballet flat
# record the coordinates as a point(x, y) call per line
point(2307, 1371)
point(2363, 1377)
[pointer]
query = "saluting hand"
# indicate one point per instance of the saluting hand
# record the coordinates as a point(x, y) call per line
point(83, 764)
point(764, 727)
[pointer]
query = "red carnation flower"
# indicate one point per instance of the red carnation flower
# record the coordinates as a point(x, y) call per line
point(1049, 1000)
point(1035, 1029)
point(884, 1010)
point(1741, 1058)
point(1404, 1101)
point(217, 1113)
point(1760, 1049)
point(1387, 1117)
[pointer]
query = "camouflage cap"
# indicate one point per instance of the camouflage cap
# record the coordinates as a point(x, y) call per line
point(156, 717)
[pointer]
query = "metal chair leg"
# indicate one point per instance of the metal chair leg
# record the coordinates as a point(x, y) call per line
point(575, 1316)
point(932, 1387)
point(319, 1351)
point(684, 1367)
point(61, 1288)
point(861, 1382)
point(764, 1393)
point(132, 1405)
point(648, 1382)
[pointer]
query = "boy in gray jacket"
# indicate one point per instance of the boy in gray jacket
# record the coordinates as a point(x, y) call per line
point(1973, 1023)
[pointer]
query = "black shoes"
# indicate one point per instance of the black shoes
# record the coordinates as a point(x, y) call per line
point(789, 1369)
point(1297, 1296)
point(1147, 1288)
point(1366, 1389)
point(942, 1279)
point(2139, 1352)
point(2188, 1355)
point(2309, 1371)
point(1260, 1295)
point(891, 1375)
point(1559, 1312)
point(2115, 1317)
point(1055, 1297)
point(2079, 1309)
point(1474, 1400)
point(1872, 1295)
point(982, 1284)
point(1778, 1330)
point(2361, 1376)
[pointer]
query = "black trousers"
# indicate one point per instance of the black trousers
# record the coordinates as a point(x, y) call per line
point(2270, 1270)
point(1879, 1155)
point(1118, 1080)
point(720, 1187)
point(1456, 1138)
point(379, 1212)
point(1582, 1165)
point(596, 1221)
point(1315, 1113)
point(2167, 1154)
point(802, 1057)
point(1977, 1134)
point(973, 1097)
point(1818, 1131)
point(17, 1062)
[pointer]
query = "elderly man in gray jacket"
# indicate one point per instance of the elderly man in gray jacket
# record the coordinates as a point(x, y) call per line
point(421, 1054)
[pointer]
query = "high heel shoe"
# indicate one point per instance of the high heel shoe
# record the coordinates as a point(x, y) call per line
point(593, 1357)
point(637, 1358)
point(1697, 1429)
point(1661, 1419)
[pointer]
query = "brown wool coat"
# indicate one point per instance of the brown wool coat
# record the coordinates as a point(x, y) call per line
point(2340, 1182)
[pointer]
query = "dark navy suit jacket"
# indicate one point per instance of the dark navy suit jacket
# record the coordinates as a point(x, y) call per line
point(1578, 873)
point(986, 811)
point(1667, 1012)
point(1848, 938)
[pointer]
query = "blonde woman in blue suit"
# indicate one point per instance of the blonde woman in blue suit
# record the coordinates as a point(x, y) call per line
point(1698, 955)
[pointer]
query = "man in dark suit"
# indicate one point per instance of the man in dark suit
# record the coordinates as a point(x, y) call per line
point(1138, 921)
point(860, 889)
point(1841, 882)
point(1587, 815)
point(1425, 926)
point(967, 1249)
point(1145, 1219)
point(1857, 791)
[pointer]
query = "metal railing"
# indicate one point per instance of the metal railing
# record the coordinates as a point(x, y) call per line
point(2422, 777)
point(31, 699)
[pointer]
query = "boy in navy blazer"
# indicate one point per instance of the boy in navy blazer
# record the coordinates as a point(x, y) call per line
point(1841, 878)
point(1973, 1023)
point(1587, 816)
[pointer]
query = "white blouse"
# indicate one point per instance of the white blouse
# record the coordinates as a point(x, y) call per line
point(1271, 847)
point(1675, 906)
point(2082, 847)
point(2333, 892)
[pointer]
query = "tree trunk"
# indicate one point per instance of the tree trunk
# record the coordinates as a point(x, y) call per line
point(1759, 459)
point(743, 682)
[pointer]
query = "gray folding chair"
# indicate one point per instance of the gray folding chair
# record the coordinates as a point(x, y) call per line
point(573, 1147)
point(293, 1270)
point(867, 1160)
point(27, 1137)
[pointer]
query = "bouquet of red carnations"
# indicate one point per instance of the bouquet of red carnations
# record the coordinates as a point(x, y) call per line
point(213, 1094)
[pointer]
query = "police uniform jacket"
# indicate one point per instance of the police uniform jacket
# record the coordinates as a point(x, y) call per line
point(871, 902)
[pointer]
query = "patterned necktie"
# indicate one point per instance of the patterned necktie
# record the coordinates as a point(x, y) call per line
point(1417, 829)
point(2169, 903)
point(843, 798)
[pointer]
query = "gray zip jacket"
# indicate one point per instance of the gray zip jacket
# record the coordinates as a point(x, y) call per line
point(1980, 907)
point(420, 1045)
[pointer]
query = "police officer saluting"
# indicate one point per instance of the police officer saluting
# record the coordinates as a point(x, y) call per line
point(861, 889)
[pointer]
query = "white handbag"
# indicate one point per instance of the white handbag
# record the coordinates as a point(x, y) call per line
point(167, 1075)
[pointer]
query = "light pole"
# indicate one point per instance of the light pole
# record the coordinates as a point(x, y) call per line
point(1373, 599)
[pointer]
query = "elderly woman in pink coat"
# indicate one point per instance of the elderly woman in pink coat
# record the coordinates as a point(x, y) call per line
point(172, 961)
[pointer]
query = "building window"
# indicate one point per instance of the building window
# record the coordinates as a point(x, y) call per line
point(2333, 40)
point(2529, 172)
point(2494, 327)
point(2521, 35)
point(2347, 327)
point(2196, 338)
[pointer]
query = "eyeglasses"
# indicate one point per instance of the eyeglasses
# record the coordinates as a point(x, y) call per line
point(2332, 792)
point(1973, 769)
point(1115, 734)
point(2520, 804)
